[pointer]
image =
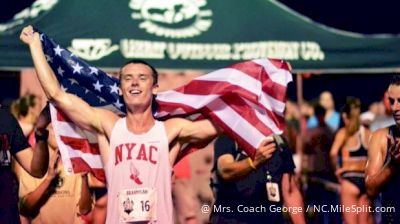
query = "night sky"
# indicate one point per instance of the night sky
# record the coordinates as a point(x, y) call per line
point(368, 17)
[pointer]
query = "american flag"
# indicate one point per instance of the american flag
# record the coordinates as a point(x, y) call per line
point(246, 99)
point(79, 149)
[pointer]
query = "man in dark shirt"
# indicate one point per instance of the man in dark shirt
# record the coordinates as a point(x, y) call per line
point(13, 143)
point(254, 191)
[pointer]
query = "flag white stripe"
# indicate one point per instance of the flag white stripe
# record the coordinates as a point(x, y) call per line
point(266, 120)
point(66, 129)
point(266, 100)
point(236, 122)
point(238, 78)
point(272, 104)
point(281, 76)
point(64, 153)
point(92, 160)
point(73, 131)
point(199, 101)
point(234, 77)
point(195, 101)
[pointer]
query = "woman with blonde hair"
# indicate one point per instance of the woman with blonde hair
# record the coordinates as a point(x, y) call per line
point(352, 143)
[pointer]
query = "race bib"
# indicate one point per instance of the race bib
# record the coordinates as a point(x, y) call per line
point(137, 204)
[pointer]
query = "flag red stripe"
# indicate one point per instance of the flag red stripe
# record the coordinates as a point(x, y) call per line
point(243, 106)
point(249, 116)
point(280, 64)
point(207, 87)
point(257, 71)
point(273, 89)
point(170, 107)
point(196, 87)
point(239, 105)
point(248, 148)
point(81, 144)
point(61, 116)
point(79, 166)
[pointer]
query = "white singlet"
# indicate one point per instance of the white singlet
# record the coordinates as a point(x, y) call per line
point(139, 176)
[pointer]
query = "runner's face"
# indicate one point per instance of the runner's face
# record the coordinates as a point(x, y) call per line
point(137, 85)
point(394, 99)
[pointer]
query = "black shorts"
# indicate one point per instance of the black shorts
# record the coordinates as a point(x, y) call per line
point(359, 182)
point(99, 192)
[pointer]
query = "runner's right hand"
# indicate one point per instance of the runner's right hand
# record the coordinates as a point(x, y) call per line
point(28, 36)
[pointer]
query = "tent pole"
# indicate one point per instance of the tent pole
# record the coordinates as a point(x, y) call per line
point(299, 138)
point(299, 88)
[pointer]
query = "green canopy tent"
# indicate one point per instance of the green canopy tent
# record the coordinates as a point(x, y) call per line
point(195, 34)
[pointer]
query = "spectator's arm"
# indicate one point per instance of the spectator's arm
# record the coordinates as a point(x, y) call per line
point(33, 201)
point(292, 198)
point(85, 202)
point(231, 170)
point(36, 162)
point(377, 172)
point(337, 144)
